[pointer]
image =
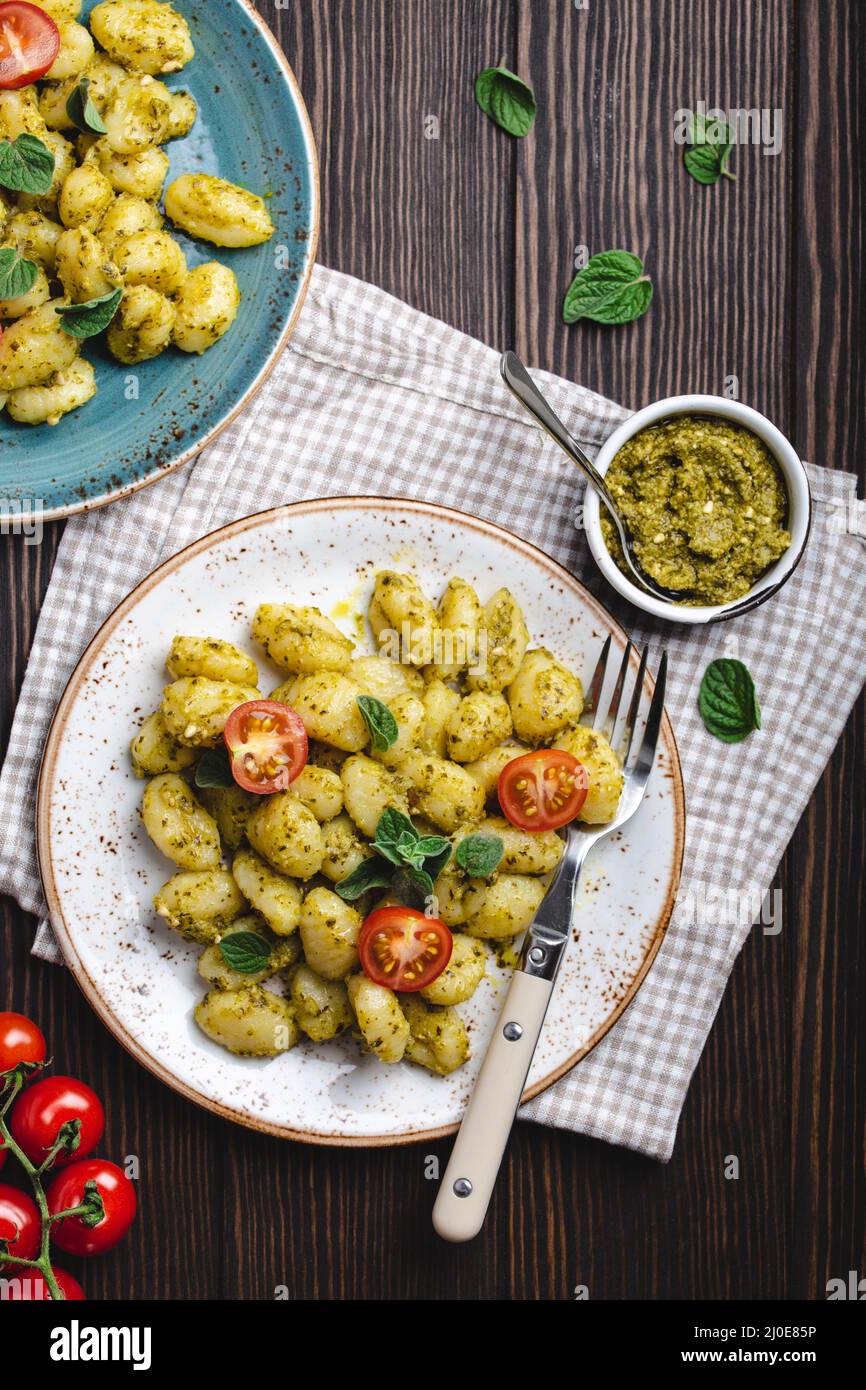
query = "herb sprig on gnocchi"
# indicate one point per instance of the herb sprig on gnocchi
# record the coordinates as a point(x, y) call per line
point(83, 120)
point(363, 860)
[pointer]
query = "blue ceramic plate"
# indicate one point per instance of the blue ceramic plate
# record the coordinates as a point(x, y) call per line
point(252, 128)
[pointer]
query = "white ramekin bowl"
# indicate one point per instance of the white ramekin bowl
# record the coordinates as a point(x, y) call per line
point(799, 507)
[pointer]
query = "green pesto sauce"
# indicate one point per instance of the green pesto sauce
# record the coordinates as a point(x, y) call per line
point(705, 503)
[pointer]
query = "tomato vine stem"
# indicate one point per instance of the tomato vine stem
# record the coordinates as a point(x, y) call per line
point(13, 1083)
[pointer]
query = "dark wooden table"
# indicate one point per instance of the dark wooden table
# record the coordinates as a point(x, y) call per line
point(758, 279)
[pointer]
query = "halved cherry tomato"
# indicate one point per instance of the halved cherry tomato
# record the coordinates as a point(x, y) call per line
point(20, 1041)
point(19, 1223)
point(39, 1112)
point(118, 1197)
point(267, 744)
point(543, 790)
point(403, 949)
point(27, 1285)
point(29, 43)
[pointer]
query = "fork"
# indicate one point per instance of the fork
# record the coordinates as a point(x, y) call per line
point(467, 1186)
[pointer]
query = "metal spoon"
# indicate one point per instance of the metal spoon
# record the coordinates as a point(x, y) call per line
point(520, 383)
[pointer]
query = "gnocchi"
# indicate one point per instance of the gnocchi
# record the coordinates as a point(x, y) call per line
point(301, 639)
point(178, 824)
point(206, 305)
point(65, 391)
point(142, 327)
point(274, 864)
point(276, 897)
point(251, 1021)
point(217, 211)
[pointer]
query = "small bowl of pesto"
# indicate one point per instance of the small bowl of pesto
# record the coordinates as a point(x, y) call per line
point(717, 503)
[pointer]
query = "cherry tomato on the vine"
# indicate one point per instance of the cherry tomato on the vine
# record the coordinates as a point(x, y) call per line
point(20, 1041)
point(29, 43)
point(118, 1197)
point(39, 1112)
point(403, 949)
point(20, 1225)
point(26, 1285)
point(267, 745)
point(542, 790)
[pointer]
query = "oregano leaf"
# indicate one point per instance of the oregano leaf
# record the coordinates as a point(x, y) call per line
point(26, 165)
point(92, 317)
point(380, 722)
point(246, 952)
point(480, 855)
point(371, 873)
point(214, 769)
point(81, 110)
point(17, 275)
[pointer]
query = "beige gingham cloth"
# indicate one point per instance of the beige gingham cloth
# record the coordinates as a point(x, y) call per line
point(374, 397)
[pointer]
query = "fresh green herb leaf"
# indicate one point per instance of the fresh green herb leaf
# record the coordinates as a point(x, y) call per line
point(506, 99)
point(26, 165)
point(393, 829)
point(431, 846)
point(380, 721)
point(406, 889)
point(706, 163)
point(246, 952)
point(407, 847)
point(214, 769)
point(611, 288)
point(17, 276)
point(435, 863)
point(86, 320)
point(711, 142)
point(421, 879)
point(728, 701)
point(421, 856)
point(372, 873)
point(81, 110)
point(480, 855)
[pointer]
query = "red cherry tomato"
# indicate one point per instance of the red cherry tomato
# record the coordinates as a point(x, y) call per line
point(29, 43)
point(118, 1197)
point(543, 790)
point(403, 949)
point(27, 1285)
point(267, 744)
point(39, 1112)
point(20, 1041)
point(19, 1223)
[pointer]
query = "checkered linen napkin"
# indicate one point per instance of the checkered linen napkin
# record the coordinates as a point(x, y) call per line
point(373, 397)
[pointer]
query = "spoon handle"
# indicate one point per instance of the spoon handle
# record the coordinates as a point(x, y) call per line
point(520, 383)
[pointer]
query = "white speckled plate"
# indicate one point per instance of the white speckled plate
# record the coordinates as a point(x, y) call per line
point(100, 871)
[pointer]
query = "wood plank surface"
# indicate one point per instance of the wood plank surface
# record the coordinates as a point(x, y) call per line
point(759, 279)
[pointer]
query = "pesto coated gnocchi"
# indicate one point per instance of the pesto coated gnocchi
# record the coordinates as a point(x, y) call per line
point(395, 797)
point(96, 236)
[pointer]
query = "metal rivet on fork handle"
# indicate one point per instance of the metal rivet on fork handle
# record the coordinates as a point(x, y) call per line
point(463, 1187)
point(512, 1032)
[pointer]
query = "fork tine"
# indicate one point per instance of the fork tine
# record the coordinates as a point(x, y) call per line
point(647, 751)
point(597, 683)
point(634, 708)
point(616, 697)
